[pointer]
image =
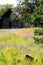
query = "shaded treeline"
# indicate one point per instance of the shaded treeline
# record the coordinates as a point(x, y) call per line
point(26, 14)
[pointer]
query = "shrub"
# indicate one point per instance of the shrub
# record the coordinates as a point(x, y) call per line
point(38, 31)
point(38, 40)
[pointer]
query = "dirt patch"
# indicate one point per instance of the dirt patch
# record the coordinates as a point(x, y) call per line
point(29, 58)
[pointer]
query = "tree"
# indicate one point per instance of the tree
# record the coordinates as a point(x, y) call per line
point(38, 14)
point(4, 8)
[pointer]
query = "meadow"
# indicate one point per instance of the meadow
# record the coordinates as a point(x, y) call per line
point(15, 44)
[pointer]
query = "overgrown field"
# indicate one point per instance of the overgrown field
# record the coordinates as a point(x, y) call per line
point(16, 44)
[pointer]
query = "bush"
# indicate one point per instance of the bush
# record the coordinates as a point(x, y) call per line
point(38, 40)
point(38, 31)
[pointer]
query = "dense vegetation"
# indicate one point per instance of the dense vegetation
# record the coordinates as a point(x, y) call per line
point(38, 40)
point(31, 13)
point(38, 31)
point(39, 35)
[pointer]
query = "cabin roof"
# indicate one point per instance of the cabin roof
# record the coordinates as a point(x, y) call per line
point(7, 13)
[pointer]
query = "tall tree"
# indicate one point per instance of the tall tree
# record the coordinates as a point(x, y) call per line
point(4, 8)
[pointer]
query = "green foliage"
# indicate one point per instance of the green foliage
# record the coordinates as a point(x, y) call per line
point(2, 11)
point(32, 14)
point(38, 40)
point(38, 31)
point(40, 1)
point(4, 8)
point(38, 15)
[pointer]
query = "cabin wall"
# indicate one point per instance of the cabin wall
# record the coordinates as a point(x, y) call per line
point(5, 23)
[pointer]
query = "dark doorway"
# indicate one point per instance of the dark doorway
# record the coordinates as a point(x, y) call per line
point(1, 24)
point(10, 24)
point(37, 23)
point(22, 25)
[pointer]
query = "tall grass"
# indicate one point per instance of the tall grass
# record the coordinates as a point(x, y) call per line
point(15, 54)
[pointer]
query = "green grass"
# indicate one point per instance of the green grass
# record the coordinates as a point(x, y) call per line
point(13, 50)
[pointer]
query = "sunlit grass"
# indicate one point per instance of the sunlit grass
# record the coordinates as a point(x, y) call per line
point(8, 37)
point(15, 49)
point(10, 56)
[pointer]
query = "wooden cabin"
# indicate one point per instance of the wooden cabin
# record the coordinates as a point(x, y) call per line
point(5, 21)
